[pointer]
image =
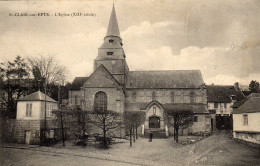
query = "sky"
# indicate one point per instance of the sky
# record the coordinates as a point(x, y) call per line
point(221, 38)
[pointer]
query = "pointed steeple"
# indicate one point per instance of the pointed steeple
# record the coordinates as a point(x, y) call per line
point(113, 29)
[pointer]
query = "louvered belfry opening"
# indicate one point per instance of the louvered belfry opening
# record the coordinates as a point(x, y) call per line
point(100, 102)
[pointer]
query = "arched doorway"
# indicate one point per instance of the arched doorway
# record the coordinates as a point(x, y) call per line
point(154, 122)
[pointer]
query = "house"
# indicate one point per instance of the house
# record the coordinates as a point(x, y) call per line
point(220, 99)
point(30, 119)
point(246, 121)
point(113, 86)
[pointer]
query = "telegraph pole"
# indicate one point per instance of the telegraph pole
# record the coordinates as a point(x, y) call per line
point(45, 105)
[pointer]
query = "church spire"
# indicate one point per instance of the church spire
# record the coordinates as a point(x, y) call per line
point(113, 29)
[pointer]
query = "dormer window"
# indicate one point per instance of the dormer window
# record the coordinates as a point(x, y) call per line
point(109, 53)
point(110, 41)
point(233, 97)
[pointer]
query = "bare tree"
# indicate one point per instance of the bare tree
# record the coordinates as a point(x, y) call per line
point(132, 120)
point(72, 121)
point(179, 119)
point(46, 69)
point(107, 121)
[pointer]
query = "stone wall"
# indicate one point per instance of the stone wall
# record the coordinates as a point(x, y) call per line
point(28, 125)
point(72, 95)
point(202, 125)
point(165, 95)
point(115, 98)
point(36, 128)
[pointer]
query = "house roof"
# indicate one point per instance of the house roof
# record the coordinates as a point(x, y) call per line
point(239, 103)
point(78, 82)
point(249, 106)
point(221, 94)
point(246, 92)
point(36, 96)
point(165, 79)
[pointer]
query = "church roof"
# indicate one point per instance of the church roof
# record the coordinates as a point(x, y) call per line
point(196, 108)
point(222, 93)
point(78, 82)
point(165, 79)
point(113, 29)
point(36, 96)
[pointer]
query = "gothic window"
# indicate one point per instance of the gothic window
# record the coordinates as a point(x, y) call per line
point(100, 101)
point(109, 53)
point(172, 97)
point(153, 96)
point(192, 97)
point(195, 119)
point(134, 96)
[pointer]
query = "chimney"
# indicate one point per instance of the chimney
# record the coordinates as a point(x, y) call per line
point(236, 85)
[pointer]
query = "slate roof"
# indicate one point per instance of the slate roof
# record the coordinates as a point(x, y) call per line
point(197, 108)
point(165, 79)
point(250, 106)
point(78, 82)
point(113, 29)
point(239, 103)
point(246, 93)
point(36, 96)
point(221, 94)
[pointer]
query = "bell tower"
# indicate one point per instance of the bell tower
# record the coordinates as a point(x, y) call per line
point(111, 53)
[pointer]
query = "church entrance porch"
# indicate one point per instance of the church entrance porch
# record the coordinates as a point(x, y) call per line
point(154, 122)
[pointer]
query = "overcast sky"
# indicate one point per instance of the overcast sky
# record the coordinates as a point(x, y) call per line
point(221, 38)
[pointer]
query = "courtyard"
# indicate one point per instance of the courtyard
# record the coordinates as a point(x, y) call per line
point(218, 149)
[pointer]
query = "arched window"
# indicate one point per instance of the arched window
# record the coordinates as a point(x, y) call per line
point(134, 96)
point(192, 97)
point(172, 97)
point(153, 96)
point(100, 101)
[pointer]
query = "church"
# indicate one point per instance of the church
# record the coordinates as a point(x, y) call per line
point(113, 86)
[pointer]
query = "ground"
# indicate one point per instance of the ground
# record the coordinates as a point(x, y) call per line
point(218, 149)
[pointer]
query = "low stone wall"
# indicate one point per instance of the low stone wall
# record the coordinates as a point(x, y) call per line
point(247, 143)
